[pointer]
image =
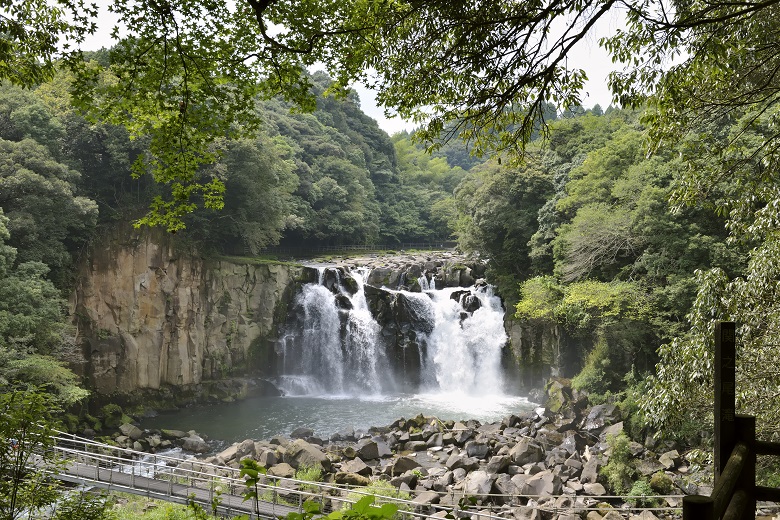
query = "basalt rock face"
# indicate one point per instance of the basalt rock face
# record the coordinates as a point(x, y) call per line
point(153, 315)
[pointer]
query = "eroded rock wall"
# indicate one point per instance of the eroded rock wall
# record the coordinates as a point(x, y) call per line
point(151, 313)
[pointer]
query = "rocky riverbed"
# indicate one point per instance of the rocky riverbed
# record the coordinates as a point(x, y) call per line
point(539, 464)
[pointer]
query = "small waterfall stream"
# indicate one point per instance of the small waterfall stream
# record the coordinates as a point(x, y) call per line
point(445, 341)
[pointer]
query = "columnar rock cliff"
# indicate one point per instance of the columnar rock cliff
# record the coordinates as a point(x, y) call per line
point(150, 314)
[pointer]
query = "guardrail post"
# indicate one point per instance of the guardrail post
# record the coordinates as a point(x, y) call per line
point(697, 507)
point(725, 393)
point(746, 432)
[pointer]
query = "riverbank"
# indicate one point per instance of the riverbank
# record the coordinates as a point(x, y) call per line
point(572, 462)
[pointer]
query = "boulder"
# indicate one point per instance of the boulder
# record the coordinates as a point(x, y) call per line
point(478, 484)
point(367, 449)
point(426, 498)
point(229, 453)
point(600, 416)
point(477, 449)
point(401, 465)
point(594, 489)
point(195, 444)
point(246, 449)
point(282, 470)
point(543, 484)
point(352, 479)
point(498, 464)
point(267, 458)
point(356, 465)
point(670, 460)
point(301, 454)
point(132, 431)
point(590, 471)
point(526, 451)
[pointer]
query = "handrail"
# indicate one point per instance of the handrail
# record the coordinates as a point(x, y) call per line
point(110, 462)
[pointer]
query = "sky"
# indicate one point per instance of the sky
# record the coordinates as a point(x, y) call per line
point(587, 55)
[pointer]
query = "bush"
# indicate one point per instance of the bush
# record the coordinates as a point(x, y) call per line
point(619, 471)
point(309, 474)
point(380, 489)
point(640, 493)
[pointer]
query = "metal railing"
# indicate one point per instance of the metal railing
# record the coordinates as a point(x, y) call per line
point(180, 480)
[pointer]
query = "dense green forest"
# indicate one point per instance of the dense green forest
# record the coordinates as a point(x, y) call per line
point(580, 235)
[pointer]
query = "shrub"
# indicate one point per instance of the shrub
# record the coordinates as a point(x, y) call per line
point(662, 483)
point(641, 493)
point(619, 471)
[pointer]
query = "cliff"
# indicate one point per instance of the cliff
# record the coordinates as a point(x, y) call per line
point(151, 313)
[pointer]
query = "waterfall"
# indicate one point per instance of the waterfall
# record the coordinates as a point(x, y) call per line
point(437, 341)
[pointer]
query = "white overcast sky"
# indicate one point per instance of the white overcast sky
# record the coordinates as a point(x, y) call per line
point(587, 55)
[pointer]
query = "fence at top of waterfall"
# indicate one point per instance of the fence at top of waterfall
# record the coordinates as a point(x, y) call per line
point(432, 245)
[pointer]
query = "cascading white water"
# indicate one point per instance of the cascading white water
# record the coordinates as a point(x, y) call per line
point(339, 349)
point(465, 349)
point(335, 351)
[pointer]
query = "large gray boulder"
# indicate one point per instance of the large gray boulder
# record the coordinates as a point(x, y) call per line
point(543, 484)
point(478, 484)
point(356, 465)
point(526, 451)
point(195, 444)
point(600, 416)
point(301, 454)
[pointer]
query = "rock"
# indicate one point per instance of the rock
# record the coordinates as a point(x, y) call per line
point(441, 483)
point(504, 485)
point(356, 465)
point(590, 471)
point(614, 430)
point(594, 489)
point(229, 453)
point(527, 513)
point(267, 458)
point(352, 479)
point(173, 434)
point(644, 515)
point(498, 464)
point(670, 459)
point(132, 431)
point(600, 416)
point(526, 451)
point(283, 470)
point(612, 515)
point(478, 484)
point(426, 498)
point(545, 483)
point(647, 467)
point(246, 449)
point(367, 449)
point(195, 444)
point(415, 446)
point(401, 465)
point(477, 449)
point(594, 515)
point(301, 454)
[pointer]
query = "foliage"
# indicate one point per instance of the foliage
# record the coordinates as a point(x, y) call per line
point(638, 495)
point(360, 510)
point(309, 474)
point(26, 429)
point(619, 471)
point(83, 506)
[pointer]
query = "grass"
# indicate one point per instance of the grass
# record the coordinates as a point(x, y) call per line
point(132, 507)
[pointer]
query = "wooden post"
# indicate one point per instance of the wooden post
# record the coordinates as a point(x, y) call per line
point(725, 394)
point(697, 507)
point(746, 432)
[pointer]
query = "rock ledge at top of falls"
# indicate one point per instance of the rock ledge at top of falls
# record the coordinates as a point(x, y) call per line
point(403, 270)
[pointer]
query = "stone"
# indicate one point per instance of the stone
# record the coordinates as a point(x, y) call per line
point(478, 484)
point(367, 449)
point(669, 460)
point(267, 458)
point(612, 515)
point(173, 434)
point(301, 433)
point(590, 471)
point(600, 416)
point(441, 483)
point(246, 449)
point(356, 465)
point(543, 484)
point(613, 429)
point(402, 465)
point(644, 515)
point(504, 485)
point(229, 453)
point(282, 470)
point(647, 467)
point(525, 451)
point(352, 479)
point(477, 449)
point(195, 444)
point(132, 431)
point(301, 454)
point(526, 513)
point(426, 498)
point(594, 489)
point(415, 446)
point(498, 464)
point(594, 515)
